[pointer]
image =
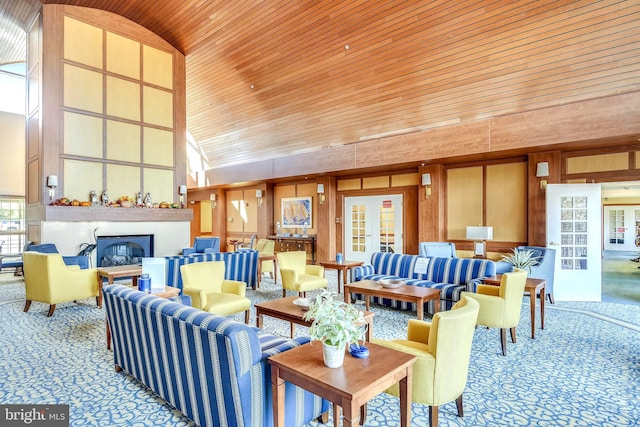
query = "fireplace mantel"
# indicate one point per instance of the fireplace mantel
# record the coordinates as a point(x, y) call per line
point(101, 213)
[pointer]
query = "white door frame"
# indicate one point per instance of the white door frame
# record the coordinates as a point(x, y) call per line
point(370, 222)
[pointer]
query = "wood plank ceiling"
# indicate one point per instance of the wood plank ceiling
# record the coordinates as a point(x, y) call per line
point(276, 77)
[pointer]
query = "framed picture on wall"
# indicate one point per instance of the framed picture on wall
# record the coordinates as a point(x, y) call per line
point(296, 212)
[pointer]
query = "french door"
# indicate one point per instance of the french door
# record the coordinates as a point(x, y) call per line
point(372, 224)
point(574, 224)
point(621, 227)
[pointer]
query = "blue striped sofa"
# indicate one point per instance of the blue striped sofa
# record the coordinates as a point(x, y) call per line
point(211, 368)
point(242, 266)
point(450, 275)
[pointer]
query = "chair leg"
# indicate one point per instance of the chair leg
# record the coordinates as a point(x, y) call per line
point(513, 335)
point(284, 293)
point(433, 416)
point(551, 300)
point(459, 406)
point(246, 317)
point(503, 340)
point(52, 308)
point(99, 301)
point(27, 305)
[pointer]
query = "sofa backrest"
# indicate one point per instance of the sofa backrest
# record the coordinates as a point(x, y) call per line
point(190, 358)
point(439, 270)
point(241, 266)
point(438, 249)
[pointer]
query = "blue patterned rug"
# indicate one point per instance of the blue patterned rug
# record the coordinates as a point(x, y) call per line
point(582, 370)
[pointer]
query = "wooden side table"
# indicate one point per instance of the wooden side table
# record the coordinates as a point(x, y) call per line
point(342, 268)
point(267, 257)
point(350, 386)
point(533, 286)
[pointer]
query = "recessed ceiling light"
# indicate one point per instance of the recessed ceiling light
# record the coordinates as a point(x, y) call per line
point(252, 87)
point(346, 46)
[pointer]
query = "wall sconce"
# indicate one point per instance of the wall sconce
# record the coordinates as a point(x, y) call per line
point(479, 234)
point(426, 182)
point(542, 172)
point(214, 203)
point(182, 190)
point(259, 197)
point(320, 191)
point(52, 183)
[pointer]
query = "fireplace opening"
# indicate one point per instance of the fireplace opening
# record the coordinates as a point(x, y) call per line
point(123, 250)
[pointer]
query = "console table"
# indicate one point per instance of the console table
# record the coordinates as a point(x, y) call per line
point(293, 243)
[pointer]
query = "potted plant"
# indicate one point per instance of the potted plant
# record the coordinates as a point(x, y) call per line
point(523, 259)
point(336, 324)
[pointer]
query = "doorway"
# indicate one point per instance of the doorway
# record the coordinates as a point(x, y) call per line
point(372, 224)
point(621, 227)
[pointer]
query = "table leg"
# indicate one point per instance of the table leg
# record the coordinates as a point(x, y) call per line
point(420, 309)
point(347, 296)
point(350, 414)
point(405, 398)
point(340, 278)
point(259, 320)
point(257, 284)
point(277, 390)
point(436, 304)
point(543, 292)
point(336, 415)
point(532, 307)
point(292, 327)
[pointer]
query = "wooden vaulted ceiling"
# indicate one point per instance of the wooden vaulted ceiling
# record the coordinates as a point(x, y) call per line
point(271, 78)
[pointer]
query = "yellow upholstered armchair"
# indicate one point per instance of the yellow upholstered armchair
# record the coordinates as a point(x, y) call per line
point(500, 306)
point(297, 276)
point(49, 280)
point(204, 282)
point(443, 349)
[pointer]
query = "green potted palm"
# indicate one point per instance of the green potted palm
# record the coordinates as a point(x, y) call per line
point(336, 324)
point(523, 259)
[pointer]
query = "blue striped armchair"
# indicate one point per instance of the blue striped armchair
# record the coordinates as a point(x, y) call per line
point(211, 368)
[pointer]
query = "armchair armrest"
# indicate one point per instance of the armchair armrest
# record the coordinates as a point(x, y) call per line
point(489, 303)
point(488, 290)
point(288, 276)
point(272, 345)
point(188, 251)
point(418, 331)
point(234, 287)
point(314, 270)
point(197, 295)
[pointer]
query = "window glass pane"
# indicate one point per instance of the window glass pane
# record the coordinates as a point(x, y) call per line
point(12, 225)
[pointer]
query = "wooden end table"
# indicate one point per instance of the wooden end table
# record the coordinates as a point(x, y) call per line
point(350, 386)
point(167, 292)
point(285, 309)
point(533, 286)
point(342, 268)
point(267, 257)
point(414, 294)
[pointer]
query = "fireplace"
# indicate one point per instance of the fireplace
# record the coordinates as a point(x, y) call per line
point(123, 250)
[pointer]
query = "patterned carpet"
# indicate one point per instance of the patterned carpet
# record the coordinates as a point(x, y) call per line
point(582, 370)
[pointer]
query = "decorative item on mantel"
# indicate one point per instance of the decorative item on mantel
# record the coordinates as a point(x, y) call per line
point(93, 197)
point(147, 201)
point(139, 199)
point(104, 198)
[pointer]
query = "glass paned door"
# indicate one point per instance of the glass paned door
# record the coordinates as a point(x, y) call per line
point(373, 224)
point(574, 230)
point(621, 228)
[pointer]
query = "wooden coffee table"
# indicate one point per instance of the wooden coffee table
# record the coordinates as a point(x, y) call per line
point(414, 294)
point(533, 286)
point(350, 386)
point(285, 309)
point(342, 268)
